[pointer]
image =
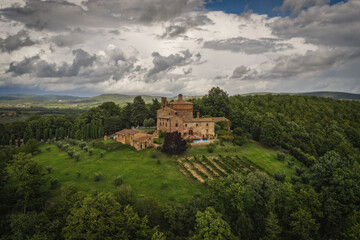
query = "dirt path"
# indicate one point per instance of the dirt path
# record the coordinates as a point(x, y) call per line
point(183, 171)
point(188, 167)
point(217, 166)
point(211, 169)
point(203, 170)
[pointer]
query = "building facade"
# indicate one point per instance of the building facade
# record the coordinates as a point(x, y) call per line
point(137, 139)
point(178, 116)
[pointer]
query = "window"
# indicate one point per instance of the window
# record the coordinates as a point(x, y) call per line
point(207, 130)
point(197, 125)
point(207, 124)
point(176, 125)
point(185, 125)
point(190, 132)
point(166, 125)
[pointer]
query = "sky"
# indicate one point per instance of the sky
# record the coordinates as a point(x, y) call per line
point(166, 47)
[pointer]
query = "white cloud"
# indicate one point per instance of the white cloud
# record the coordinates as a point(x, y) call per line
point(139, 53)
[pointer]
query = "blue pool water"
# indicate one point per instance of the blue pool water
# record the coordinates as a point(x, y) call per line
point(201, 141)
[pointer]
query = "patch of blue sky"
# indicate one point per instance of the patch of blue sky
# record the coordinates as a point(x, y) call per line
point(269, 7)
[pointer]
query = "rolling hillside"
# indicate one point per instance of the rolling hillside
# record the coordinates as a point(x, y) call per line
point(61, 101)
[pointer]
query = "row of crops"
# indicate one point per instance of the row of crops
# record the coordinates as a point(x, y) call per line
point(203, 168)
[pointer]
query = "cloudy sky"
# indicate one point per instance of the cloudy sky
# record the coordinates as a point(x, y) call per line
point(162, 47)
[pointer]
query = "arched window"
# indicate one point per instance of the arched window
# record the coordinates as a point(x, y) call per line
point(190, 132)
point(176, 125)
point(207, 124)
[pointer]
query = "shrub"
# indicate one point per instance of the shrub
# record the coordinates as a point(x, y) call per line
point(153, 155)
point(291, 164)
point(90, 152)
point(85, 149)
point(280, 156)
point(48, 169)
point(54, 182)
point(280, 177)
point(164, 185)
point(158, 161)
point(47, 148)
point(210, 149)
point(118, 181)
point(294, 179)
point(97, 176)
point(162, 134)
point(77, 156)
point(70, 152)
point(239, 140)
point(82, 145)
point(101, 155)
point(78, 174)
point(299, 171)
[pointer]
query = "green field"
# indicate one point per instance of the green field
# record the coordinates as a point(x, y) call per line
point(142, 171)
point(139, 169)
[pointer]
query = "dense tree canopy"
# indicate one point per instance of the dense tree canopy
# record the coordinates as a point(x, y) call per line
point(322, 202)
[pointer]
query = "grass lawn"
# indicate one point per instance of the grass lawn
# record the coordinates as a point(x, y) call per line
point(259, 155)
point(140, 170)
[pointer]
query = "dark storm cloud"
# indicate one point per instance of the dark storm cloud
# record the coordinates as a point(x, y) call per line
point(59, 15)
point(85, 68)
point(15, 42)
point(70, 39)
point(183, 24)
point(42, 69)
point(246, 45)
point(337, 25)
point(312, 61)
point(162, 63)
point(244, 73)
point(239, 72)
point(297, 6)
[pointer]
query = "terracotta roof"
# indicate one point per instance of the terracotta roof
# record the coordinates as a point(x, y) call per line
point(127, 132)
point(212, 119)
point(180, 101)
point(142, 138)
point(219, 119)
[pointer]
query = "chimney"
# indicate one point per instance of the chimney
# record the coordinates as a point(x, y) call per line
point(198, 115)
point(180, 97)
point(163, 102)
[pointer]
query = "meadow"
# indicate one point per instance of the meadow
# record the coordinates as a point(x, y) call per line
point(150, 173)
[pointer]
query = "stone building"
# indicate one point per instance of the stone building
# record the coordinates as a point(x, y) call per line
point(137, 139)
point(178, 116)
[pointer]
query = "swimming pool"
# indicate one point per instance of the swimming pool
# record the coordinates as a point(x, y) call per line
point(201, 141)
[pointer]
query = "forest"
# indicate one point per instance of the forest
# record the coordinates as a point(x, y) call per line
point(321, 202)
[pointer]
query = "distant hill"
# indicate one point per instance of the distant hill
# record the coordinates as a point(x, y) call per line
point(335, 95)
point(62, 101)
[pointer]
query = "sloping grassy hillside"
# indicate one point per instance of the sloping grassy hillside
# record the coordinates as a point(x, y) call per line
point(149, 172)
point(139, 169)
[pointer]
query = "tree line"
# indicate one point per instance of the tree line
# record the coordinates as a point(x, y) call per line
point(94, 123)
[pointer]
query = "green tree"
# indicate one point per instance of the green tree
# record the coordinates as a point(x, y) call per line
point(30, 179)
point(100, 216)
point(210, 226)
point(31, 146)
point(139, 111)
point(174, 144)
point(216, 103)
